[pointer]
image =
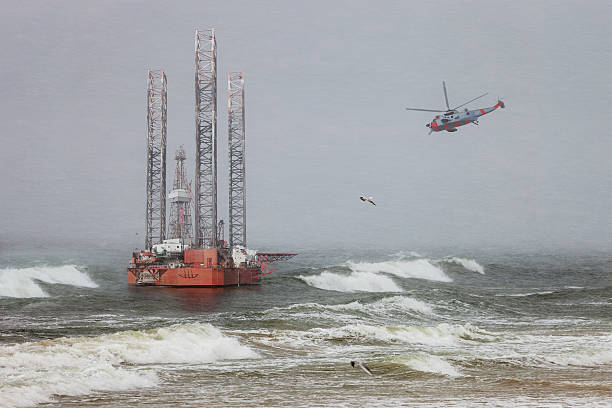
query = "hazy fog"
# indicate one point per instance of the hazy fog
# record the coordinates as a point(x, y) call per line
point(326, 87)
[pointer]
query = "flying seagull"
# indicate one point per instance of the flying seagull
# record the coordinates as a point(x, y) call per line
point(368, 199)
point(363, 366)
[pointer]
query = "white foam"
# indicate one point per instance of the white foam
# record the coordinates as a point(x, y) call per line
point(469, 264)
point(429, 364)
point(33, 372)
point(353, 282)
point(416, 268)
point(22, 282)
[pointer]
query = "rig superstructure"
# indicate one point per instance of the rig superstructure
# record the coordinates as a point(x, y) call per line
point(201, 257)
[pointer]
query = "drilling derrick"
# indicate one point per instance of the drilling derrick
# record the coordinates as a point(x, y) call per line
point(205, 196)
point(156, 159)
point(237, 174)
point(180, 202)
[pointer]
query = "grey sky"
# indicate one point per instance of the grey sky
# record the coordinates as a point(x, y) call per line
point(326, 86)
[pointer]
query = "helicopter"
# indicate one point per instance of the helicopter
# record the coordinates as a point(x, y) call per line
point(451, 119)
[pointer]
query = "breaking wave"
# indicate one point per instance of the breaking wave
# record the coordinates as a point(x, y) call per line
point(469, 264)
point(33, 372)
point(586, 358)
point(428, 364)
point(440, 335)
point(416, 268)
point(353, 282)
point(23, 282)
point(386, 305)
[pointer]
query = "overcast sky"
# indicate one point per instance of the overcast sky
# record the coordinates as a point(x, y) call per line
point(326, 87)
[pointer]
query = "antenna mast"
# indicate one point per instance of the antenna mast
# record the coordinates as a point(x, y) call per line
point(156, 158)
point(206, 139)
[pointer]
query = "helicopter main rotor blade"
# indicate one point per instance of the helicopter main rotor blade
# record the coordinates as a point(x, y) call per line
point(478, 97)
point(424, 110)
point(445, 95)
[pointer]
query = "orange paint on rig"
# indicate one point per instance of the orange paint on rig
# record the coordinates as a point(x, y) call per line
point(207, 267)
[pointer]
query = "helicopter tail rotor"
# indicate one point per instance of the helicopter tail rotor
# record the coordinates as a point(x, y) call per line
point(500, 104)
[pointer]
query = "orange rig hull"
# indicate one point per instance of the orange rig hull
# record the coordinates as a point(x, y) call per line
point(193, 276)
point(197, 268)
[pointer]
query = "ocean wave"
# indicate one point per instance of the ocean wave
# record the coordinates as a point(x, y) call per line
point(33, 372)
point(546, 292)
point(416, 268)
point(440, 335)
point(428, 363)
point(469, 264)
point(586, 358)
point(386, 305)
point(332, 340)
point(22, 282)
point(352, 282)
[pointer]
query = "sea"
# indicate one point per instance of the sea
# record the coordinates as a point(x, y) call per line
point(483, 328)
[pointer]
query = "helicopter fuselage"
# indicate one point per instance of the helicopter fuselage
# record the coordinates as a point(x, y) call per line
point(452, 119)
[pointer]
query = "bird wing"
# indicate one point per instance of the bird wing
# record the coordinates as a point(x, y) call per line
point(365, 368)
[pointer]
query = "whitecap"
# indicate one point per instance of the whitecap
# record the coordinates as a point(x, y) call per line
point(469, 264)
point(428, 363)
point(352, 282)
point(416, 268)
point(23, 282)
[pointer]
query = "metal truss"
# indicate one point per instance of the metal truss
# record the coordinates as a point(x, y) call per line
point(156, 158)
point(205, 196)
point(237, 173)
point(179, 225)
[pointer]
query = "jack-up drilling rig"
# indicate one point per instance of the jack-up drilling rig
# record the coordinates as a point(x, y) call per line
point(204, 259)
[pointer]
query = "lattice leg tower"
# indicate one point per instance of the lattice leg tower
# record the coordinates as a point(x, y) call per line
point(205, 190)
point(156, 158)
point(237, 173)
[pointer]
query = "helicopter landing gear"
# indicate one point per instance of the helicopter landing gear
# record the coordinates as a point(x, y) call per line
point(475, 122)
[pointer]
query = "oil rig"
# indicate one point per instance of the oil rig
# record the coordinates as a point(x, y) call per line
point(177, 254)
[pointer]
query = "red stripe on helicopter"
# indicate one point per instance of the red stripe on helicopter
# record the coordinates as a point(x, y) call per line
point(482, 111)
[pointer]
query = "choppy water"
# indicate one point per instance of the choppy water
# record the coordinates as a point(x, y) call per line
point(446, 330)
